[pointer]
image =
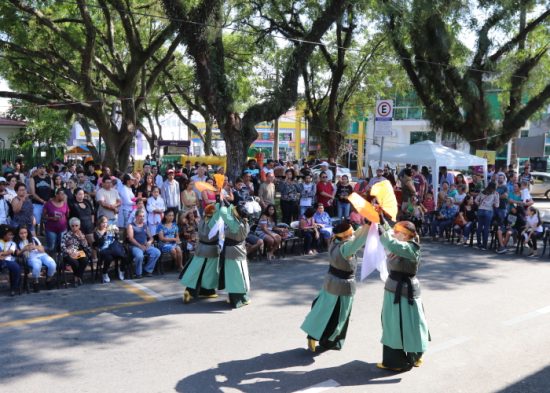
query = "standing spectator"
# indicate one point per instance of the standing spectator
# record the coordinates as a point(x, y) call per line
point(155, 210)
point(226, 193)
point(527, 176)
point(188, 170)
point(477, 185)
point(127, 199)
point(4, 204)
point(168, 234)
point(254, 176)
point(76, 251)
point(378, 178)
point(41, 188)
point(82, 209)
point(141, 244)
point(108, 200)
point(92, 175)
point(10, 187)
point(325, 192)
point(58, 183)
point(241, 193)
point(189, 198)
point(327, 171)
point(290, 197)
point(85, 184)
point(266, 193)
point(514, 179)
point(7, 258)
point(308, 190)
point(389, 175)
point(420, 184)
point(146, 188)
point(250, 185)
point(269, 168)
point(526, 197)
point(157, 177)
point(428, 177)
point(56, 212)
point(487, 201)
point(22, 209)
point(146, 172)
point(305, 170)
point(200, 176)
point(502, 190)
point(343, 190)
point(407, 189)
point(445, 176)
point(170, 192)
point(461, 181)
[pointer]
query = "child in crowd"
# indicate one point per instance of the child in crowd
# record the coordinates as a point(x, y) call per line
point(533, 230)
point(453, 192)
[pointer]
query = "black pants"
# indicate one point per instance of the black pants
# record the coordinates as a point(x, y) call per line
point(107, 257)
point(78, 265)
point(310, 242)
point(399, 359)
point(291, 211)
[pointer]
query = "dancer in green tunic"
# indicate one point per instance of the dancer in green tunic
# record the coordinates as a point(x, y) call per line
point(234, 275)
point(405, 332)
point(327, 322)
point(200, 276)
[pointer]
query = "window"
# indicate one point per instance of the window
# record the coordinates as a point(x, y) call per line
point(524, 133)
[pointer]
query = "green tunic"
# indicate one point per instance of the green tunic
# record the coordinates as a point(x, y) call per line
point(203, 270)
point(236, 279)
point(328, 320)
point(404, 325)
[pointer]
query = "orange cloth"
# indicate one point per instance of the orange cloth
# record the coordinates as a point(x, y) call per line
point(202, 185)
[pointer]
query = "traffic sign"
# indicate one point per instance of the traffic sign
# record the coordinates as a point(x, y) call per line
point(383, 118)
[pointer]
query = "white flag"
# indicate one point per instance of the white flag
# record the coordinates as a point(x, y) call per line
point(374, 257)
point(219, 228)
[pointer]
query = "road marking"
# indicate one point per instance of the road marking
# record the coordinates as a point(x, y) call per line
point(320, 387)
point(526, 317)
point(141, 290)
point(449, 344)
point(52, 317)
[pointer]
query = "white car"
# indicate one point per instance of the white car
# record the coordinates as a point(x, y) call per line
point(340, 171)
point(541, 185)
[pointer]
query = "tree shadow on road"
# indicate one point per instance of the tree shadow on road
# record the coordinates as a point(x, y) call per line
point(534, 383)
point(265, 373)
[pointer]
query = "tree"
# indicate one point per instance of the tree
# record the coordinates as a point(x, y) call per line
point(202, 27)
point(95, 60)
point(456, 96)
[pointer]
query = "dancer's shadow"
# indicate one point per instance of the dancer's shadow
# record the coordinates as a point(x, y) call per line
point(267, 373)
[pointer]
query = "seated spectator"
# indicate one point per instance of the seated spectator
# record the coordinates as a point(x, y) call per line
point(140, 204)
point(141, 244)
point(486, 201)
point(444, 218)
point(453, 191)
point(35, 257)
point(75, 249)
point(533, 230)
point(525, 194)
point(7, 258)
point(107, 242)
point(253, 244)
point(189, 197)
point(155, 209)
point(514, 225)
point(168, 234)
point(268, 231)
point(310, 231)
point(442, 194)
point(343, 190)
point(459, 197)
point(82, 209)
point(226, 193)
point(324, 223)
point(416, 212)
point(465, 219)
point(325, 192)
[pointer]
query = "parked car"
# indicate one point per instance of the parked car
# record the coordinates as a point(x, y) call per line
point(340, 170)
point(541, 185)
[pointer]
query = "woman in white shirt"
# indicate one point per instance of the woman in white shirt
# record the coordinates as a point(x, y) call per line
point(127, 199)
point(533, 230)
point(155, 210)
point(36, 257)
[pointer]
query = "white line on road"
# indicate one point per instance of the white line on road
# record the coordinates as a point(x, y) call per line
point(148, 291)
point(320, 387)
point(449, 344)
point(525, 317)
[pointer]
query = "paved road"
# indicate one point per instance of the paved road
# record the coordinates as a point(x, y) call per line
point(489, 318)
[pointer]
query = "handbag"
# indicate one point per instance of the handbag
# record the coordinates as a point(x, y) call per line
point(117, 250)
point(460, 220)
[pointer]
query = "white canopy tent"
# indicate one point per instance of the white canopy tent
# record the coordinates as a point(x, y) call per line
point(433, 155)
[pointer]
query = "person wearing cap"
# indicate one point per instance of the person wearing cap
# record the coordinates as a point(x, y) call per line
point(405, 332)
point(327, 322)
point(378, 178)
point(127, 199)
point(325, 168)
point(234, 276)
point(170, 192)
point(200, 276)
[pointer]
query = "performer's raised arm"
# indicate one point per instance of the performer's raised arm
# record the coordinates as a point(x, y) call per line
point(349, 248)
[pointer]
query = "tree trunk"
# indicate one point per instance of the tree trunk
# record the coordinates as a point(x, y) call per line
point(208, 124)
point(117, 151)
point(237, 150)
point(83, 121)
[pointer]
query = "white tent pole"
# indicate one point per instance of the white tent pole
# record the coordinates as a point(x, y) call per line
point(381, 152)
point(435, 180)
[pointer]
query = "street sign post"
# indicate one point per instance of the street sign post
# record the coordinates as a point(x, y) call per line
point(383, 117)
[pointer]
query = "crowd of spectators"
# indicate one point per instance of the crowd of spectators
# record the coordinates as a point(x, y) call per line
point(84, 212)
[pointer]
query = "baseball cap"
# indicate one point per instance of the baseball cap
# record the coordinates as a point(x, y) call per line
point(3, 180)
